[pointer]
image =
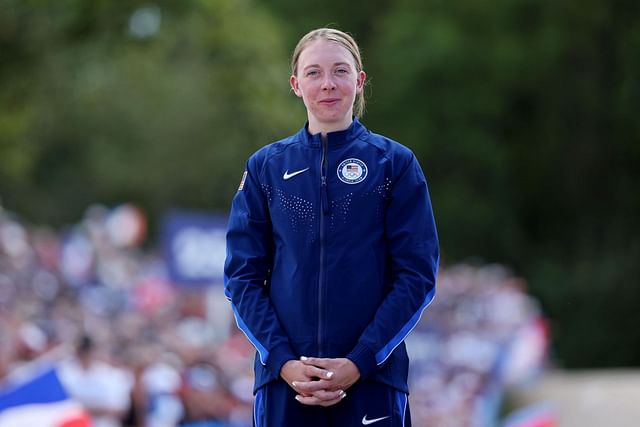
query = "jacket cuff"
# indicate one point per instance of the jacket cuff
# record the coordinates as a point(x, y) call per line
point(364, 359)
point(278, 357)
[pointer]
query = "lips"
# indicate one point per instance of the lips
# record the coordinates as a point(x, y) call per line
point(329, 101)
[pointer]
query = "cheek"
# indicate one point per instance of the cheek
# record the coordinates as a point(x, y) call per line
point(349, 88)
point(305, 96)
point(307, 91)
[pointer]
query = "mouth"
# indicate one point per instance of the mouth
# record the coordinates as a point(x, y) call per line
point(329, 101)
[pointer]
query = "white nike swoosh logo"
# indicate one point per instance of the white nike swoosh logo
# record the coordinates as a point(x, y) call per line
point(366, 422)
point(288, 175)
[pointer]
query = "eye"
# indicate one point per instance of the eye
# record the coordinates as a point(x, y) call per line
point(342, 71)
point(312, 73)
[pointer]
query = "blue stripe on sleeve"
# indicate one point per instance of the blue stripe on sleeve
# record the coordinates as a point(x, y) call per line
point(401, 401)
point(262, 351)
point(386, 351)
point(257, 408)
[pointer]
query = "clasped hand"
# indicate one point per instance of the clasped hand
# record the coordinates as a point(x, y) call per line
point(320, 381)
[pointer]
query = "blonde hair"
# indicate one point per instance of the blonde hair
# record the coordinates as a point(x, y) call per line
point(343, 39)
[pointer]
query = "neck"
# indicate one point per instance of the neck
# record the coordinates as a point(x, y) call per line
point(325, 128)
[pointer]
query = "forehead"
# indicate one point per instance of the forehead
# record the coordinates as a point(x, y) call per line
point(325, 52)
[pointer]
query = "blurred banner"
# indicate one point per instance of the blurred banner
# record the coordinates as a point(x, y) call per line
point(40, 400)
point(194, 247)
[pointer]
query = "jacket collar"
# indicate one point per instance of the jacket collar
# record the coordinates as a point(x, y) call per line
point(334, 138)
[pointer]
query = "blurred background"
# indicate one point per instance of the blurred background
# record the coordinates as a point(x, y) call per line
point(124, 128)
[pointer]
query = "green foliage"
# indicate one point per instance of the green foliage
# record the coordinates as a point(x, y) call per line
point(459, 69)
point(165, 119)
point(523, 114)
point(358, 17)
point(591, 297)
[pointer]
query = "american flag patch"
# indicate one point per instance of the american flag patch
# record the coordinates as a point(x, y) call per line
point(244, 177)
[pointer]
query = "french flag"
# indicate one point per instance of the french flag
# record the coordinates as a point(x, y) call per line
point(540, 415)
point(40, 401)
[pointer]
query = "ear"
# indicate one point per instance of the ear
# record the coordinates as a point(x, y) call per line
point(293, 81)
point(362, 76)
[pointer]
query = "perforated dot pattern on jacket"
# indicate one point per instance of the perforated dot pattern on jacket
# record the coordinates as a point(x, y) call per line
point(340, 210)
point(381, 192)
point(300, 212)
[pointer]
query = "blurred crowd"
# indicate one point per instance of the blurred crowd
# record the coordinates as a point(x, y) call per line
point(138, 350)
point(132, 347)
point(482, 335)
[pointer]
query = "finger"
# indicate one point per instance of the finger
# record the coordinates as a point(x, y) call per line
point(315, 361)
point(311, 386)
point(315, 400)
point(328, 399)
point(327, 403)
point(323, 394)
point(328, 394)
point(314, 371)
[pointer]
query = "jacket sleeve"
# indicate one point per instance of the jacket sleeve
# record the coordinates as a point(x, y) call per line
point(413, 252)
point(248, 262)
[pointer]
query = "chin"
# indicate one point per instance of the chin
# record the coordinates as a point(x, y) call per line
point(333, 117)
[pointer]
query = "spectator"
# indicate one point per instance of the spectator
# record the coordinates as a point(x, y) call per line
point(103, 389)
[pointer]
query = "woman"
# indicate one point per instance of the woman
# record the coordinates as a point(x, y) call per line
point(332, 255)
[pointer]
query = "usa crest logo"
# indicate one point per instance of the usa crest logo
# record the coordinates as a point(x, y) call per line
point(352, 171)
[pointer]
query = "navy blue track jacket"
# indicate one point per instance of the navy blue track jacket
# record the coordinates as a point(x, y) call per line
point(332, 252)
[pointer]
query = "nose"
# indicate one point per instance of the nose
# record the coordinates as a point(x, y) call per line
point(328, 83)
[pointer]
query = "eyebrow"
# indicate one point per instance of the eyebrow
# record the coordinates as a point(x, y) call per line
point(334, 64)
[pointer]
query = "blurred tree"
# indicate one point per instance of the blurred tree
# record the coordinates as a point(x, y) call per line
point(445, 76)
point(523, 113)
point(154, 102)
point(358, 17)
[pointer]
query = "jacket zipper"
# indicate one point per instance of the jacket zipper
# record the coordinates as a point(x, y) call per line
point(324, 208)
